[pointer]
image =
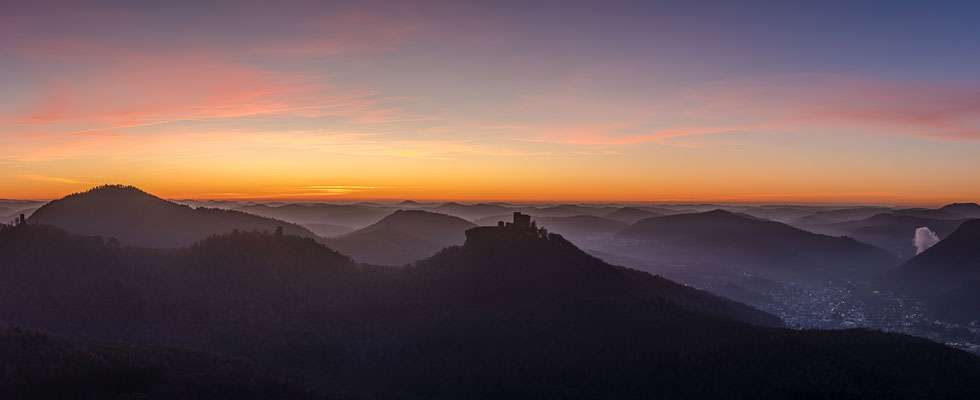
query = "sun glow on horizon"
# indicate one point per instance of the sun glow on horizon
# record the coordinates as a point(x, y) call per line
point(436, 101)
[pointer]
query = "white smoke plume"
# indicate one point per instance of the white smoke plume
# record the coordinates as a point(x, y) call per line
point(924, 239)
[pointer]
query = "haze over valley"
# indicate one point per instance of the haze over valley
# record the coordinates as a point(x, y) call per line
point(536, 199)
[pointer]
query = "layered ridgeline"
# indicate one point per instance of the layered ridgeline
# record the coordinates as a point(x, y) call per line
point(402, 237)
point(39, 366)
point(725, 241)
point(134, 217)
point(630, 215)
point(889, 231)
point(331, 218)
point(512, 313)
point(586, 231)
point(947, 274)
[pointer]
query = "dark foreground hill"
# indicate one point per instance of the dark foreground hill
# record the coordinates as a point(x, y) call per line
point(402, 237)
point(507, 315)
point(137, 218)
point(947, 275)
point(39, 366)
point(736, 242)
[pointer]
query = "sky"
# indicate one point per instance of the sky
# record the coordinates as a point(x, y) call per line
point(688, 101)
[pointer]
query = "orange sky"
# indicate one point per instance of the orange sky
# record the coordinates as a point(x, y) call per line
point(434, 101)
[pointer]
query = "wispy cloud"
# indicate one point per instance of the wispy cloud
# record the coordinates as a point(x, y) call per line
point(815, 104)
point(54, 179)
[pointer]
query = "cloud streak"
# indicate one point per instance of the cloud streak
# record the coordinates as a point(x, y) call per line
point(809, 104)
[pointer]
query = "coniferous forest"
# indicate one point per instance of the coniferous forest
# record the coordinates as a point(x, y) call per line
point(507, 315)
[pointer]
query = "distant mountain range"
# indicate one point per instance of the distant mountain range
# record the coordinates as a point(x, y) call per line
point(630, 215)
point(341, 215)
point(402, 237)
point(471, 212)
point(839, 215)
point(888, 231)
point(137, 218)
point(722, 240)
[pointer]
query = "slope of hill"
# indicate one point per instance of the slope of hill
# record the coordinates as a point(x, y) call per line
point(328, 230)
point(583, 230)
point(547, 269)
point(946, 274)
point(134, 217)
point(928, 213)
point(39, 366)
point(840, 215)
point(888, 231)
point(402, 237)
point(630, 215)
point(354, 216)
point(727, 241)
point(950, 262)
point(968, 210)
point(506, 315)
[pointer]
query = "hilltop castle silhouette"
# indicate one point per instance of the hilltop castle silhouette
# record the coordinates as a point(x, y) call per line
point(521, 222)
point(522, 226)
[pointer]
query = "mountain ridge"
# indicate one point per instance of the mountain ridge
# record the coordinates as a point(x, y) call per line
point(135, 217)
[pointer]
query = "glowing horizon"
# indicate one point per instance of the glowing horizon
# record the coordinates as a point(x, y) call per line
point(509, 101)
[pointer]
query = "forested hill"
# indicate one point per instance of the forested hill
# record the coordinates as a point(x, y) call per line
point(39, 366)
point(506, 315)
point(134, 217)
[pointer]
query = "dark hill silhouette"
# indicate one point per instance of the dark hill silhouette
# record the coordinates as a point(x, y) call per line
point(968, 210)
point(630, 215)
point(506, 315)
point(727, 240)
point(39, 366)
point(951, 261)
point(402, 237)
point(135, 217)
point(946, 273)
point(353, 216)
point(929, 213)
point(500, 266)
point(840, 215)
point(776, 213)
point(888, 231)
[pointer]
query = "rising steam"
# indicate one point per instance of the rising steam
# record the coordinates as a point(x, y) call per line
point(924, 239)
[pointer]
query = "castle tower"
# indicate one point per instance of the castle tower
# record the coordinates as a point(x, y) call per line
point(522, 221)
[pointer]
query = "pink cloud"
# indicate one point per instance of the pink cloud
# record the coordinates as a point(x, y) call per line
point(101, 87)
point(807, 104)
point(831, 102)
